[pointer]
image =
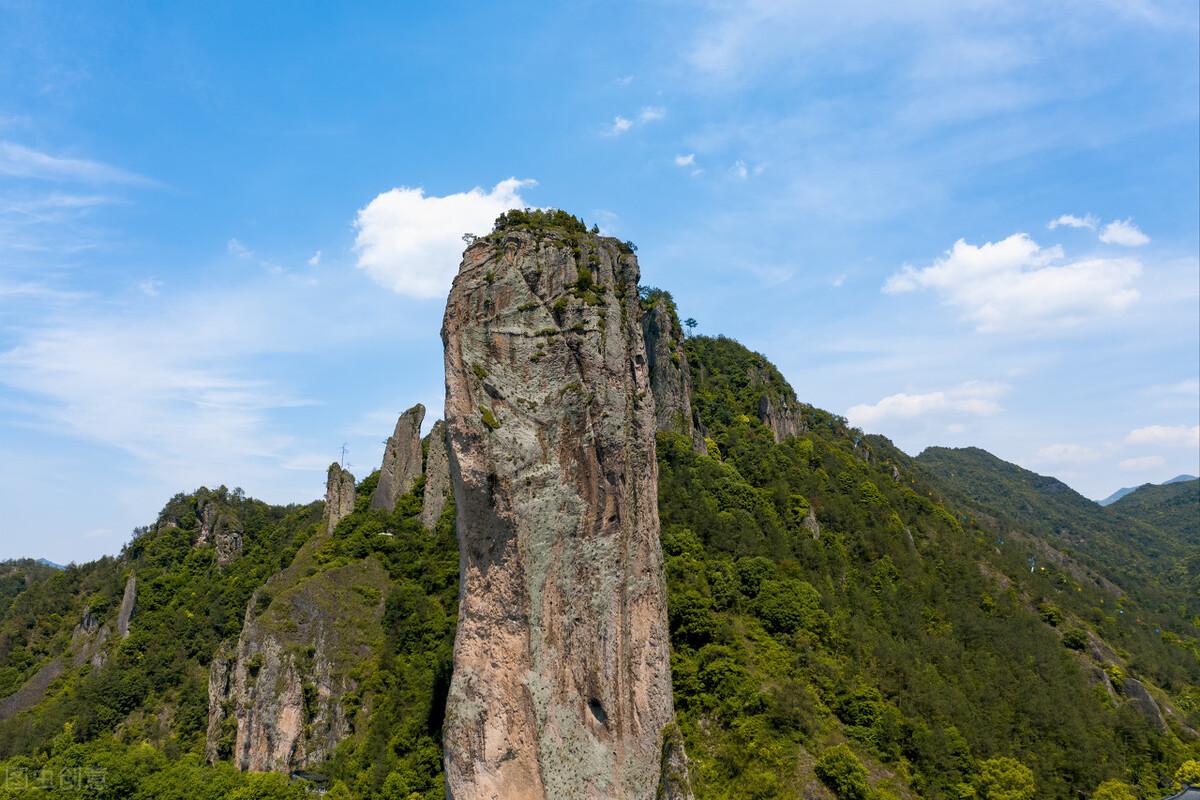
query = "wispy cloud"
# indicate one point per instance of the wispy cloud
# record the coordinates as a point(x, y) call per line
point(651, 114)
point(1016, 285)
point(1142, 463)
point(685, 160)
point(19, 161)
point(1166, 435)
point(1067, 454)
point(1123, 232)
point(974, 398)
point(622, 124)
point(1071, 221)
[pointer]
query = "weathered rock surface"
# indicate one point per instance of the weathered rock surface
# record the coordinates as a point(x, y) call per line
point(670, 376)
point(561, 686)
point(276, 698)
point(220, 526)
point(128, 603)
point(401, 460)
point(782, 415)
point(339, 496)
point(1141, 699)
point(437, 476)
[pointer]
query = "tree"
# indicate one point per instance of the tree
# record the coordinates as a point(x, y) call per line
point(690, 323)
point(1114, 790)
point(1005, 778)
point(840, 770)
point(1188, 774)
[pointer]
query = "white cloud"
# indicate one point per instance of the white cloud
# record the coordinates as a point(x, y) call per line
point(620, 125)
point(23, 162)
point(739, 169)
point(685, 161)
point(839, 281)
point(1067, 454)
point(1014, 284)
point(1123, 232)
point(974, 398)
point(1071, 221)
point(1168, 435)
point(315, 260)
point(412, 243)
point(1142, 463)
point(648, 114)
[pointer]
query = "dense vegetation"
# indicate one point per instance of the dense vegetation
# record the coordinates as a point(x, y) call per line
point(1170, 507)
point(902, 629)
point(846, 622)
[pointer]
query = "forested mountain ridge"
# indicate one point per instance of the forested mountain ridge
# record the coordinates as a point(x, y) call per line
point(845, 621)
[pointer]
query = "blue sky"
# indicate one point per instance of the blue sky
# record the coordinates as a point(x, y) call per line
point(226, 232)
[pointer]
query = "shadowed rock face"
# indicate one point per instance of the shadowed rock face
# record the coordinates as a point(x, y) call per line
point(670, 377)
point(561, 685)
point(401, 460)
point(339, 496)
point(437, 476)
point(128, 602)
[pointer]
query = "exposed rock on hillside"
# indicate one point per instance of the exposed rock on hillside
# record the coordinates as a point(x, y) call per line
point(220, 526)
point(437, 476)
point(128, 602)
point(670, 376)
point(276, 698)
point(401, 460)
point(339, 496)
point(561, 685)
point(782, 415)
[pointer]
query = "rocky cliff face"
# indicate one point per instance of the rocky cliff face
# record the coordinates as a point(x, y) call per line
point(437, 476)
point(670, 376)
point(781, 413)
point(219, 526)
point(401, 460)
point(561, 685)
point(339, 496)
point(277, 696)
point(128, 603)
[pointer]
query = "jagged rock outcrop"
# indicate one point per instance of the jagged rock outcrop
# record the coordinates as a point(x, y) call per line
point(277, 696)
point(561, 686)
point(811, 525)
point(220, 526)
point(782, 415)
point(128, 602)
point(437, 476)
point(339, 496)
point(670, 376)
point(401, 460)
point(88, 640)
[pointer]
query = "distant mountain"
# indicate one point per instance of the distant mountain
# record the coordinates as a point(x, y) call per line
point(1173, 506)
point(1119, 493)
point(1142, 559)
point(45, 562)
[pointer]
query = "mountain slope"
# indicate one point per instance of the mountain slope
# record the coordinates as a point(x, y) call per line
point(845, 621)
point(1172, 507)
